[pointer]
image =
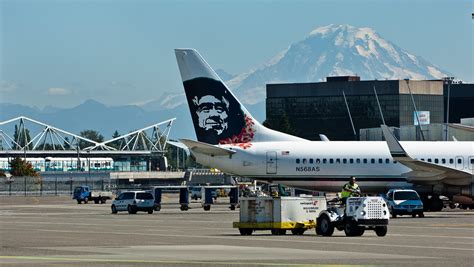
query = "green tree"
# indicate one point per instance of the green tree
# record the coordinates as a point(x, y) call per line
point(20, 167)
point(22, 137)
point(92, 135)
point(115, 144)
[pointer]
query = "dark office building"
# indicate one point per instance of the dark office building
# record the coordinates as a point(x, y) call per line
point(314, 108)
point(461, 104)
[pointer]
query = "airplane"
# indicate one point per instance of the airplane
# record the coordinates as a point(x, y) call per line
point(231, 140)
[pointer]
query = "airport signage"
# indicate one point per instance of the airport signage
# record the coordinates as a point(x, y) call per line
point(423, 116)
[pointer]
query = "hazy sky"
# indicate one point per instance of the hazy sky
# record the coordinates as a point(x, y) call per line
point(61, 53)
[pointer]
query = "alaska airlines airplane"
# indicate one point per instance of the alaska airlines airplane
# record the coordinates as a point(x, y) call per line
point(231, 140)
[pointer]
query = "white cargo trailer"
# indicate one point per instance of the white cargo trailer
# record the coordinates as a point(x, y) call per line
point(297, 214)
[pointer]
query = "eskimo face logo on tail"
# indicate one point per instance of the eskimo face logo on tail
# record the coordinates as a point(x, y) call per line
point(217, 116)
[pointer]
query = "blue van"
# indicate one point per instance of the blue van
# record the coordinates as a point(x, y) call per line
point(404, 202)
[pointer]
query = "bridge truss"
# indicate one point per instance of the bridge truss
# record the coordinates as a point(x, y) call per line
point(33, 135)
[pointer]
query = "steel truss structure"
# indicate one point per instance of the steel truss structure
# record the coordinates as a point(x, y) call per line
point(49, 138)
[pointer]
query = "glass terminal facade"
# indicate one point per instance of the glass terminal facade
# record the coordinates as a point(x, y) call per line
point(319, 108)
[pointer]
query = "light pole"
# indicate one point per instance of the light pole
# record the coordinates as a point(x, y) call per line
point(448, 80)
point(88, 164)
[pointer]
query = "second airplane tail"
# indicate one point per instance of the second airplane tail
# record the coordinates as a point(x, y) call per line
point(218, 116)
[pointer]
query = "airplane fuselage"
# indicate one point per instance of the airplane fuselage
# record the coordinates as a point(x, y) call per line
point(326, 166)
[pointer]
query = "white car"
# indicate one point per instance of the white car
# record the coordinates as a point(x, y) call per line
point(133, 201)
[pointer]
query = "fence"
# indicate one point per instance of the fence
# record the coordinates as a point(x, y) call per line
point(39, 186)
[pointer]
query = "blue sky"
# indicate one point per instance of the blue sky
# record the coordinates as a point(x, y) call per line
point(61, 53)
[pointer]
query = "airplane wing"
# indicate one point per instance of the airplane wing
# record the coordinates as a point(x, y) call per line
point(423, 172)
point(207, 149)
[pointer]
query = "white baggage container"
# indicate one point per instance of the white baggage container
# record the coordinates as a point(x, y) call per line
point(279, 214)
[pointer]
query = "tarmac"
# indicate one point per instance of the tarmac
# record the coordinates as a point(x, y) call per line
point(56, 231)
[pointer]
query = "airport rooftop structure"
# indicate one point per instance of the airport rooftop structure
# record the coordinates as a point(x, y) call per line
point(341, 106)
point(143, 148)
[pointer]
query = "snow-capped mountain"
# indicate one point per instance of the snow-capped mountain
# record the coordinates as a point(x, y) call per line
point(334, 50)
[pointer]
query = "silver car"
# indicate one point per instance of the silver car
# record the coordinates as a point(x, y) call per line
point(133, 201)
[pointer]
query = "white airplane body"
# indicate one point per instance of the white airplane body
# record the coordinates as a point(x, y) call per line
point(231, 140)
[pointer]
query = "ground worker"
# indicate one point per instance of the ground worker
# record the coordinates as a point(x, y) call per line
point(350, 189)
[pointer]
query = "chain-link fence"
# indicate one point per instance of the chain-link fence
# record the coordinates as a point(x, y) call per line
point(38, 186)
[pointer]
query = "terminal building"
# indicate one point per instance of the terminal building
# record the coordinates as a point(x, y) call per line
point(328, 107)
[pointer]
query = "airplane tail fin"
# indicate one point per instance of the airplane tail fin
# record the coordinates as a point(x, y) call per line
point(218, 116)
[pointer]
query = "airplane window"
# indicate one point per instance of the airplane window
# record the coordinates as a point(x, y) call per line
point(429, 160)
point(443, 161)
point(324, 161)
point(318, 161)
point(387, 161)
point(459, 161)
point(344, 161)
point(311, 161)
point(436, 160)
point(372, 161)
point(472, 161)
point(422, 159)
point(351, 161)
point(380, 161)
point(304, 161)
point(297, 161)
point(358, 161)
point(331, 161)
point(394, 162)
point(338, 161)
point(365, 161)
point(451, 161)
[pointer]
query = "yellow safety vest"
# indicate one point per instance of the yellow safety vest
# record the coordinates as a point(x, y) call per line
point(348, 186)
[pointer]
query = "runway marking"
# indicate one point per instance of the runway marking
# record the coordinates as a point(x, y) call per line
point(255, 238)
point(470, 225)
point(163, 261)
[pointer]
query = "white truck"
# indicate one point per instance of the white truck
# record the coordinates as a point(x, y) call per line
point(358, 215)
point(84, 194)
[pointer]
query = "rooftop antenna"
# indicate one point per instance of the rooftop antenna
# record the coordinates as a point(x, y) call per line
point(416, 110)
point(350, 116)
point(449, 81)
point(378, 103)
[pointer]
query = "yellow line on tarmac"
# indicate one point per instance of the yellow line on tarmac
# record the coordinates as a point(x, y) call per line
point(160, 261)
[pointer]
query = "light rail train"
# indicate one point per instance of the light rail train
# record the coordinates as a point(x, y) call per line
point(63, 164)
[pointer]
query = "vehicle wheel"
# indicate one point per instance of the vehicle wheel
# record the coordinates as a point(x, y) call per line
point(78, 201)
point(394, 215)
point(381, 230)
point(436, 204)
point(207, 207)
point(131, 210)
point(150, 211)
point(413, 215)
point(103, 201)
point(157, 207)
point(86, 200)
point(114, 209)
point(297, 231)
point(245, 231)
point(232, 207)
point(452, 205)
point(351, 229)
point(421, 215)
point(326, 228)
point(96, 201)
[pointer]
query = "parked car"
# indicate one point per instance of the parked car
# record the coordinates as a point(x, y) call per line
point(133, 201)
point(404, 202)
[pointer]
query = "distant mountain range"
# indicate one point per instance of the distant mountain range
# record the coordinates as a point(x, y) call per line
point(332, 50)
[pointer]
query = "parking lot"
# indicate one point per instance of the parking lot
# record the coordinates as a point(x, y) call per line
point(45, 231)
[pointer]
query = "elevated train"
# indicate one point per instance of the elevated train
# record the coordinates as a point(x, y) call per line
point(64, 164)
